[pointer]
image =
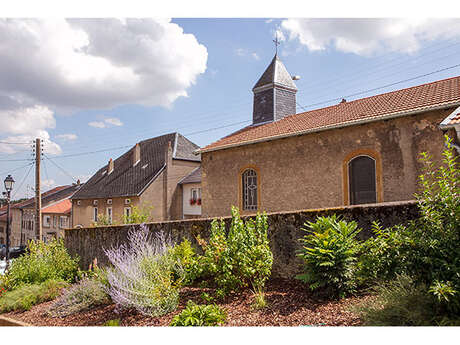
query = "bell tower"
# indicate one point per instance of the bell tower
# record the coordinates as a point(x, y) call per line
point(274, 94)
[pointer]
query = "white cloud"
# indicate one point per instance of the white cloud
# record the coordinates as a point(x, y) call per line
point(369, 36)
point(114, 121)
point(108, 122)
point(48, 183)
point(97, 124)
point(67, 137)
point(77, 64)
point(245, 52)
point(24, 125)
point(89, 63)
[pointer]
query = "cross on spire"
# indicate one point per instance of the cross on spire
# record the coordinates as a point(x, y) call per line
point(277, 43)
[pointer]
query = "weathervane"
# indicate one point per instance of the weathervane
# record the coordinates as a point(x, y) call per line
point(277, 43)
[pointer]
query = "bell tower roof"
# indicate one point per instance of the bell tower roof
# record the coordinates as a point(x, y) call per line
point(276, 74)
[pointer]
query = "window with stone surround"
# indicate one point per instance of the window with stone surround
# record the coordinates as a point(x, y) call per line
point(249, 189)
point(362, 180)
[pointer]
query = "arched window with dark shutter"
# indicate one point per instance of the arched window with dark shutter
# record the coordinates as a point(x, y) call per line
point(249, 184)
point(362, 181)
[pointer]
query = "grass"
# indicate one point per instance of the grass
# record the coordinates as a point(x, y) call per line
point(26, 296)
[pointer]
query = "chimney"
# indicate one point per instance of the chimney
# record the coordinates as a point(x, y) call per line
point(136, 154)
point(343, 100)
point(110, 169)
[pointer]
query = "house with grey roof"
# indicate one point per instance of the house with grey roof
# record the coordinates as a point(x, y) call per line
point(147, 176)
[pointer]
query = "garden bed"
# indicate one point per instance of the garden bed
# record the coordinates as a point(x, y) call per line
point(289, 303)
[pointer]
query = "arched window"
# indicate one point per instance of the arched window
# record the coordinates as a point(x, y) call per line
point(362, 181)
point(249, 184)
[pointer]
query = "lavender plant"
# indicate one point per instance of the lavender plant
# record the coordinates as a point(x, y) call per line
point(84, 295)
point(143, 272)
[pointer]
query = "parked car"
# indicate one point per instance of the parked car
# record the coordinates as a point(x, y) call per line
point(16, 252)
point(2, 251)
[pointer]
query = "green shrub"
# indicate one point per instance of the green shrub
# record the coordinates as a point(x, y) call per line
point(200, 315)
point(26, 296)
point(241, 258)
point(186, 261)
point(138, 215)
point(329, 253)
point(112, 323)
point(427, 250)
point(384, 255)
point(43, 261)
point(86, 294)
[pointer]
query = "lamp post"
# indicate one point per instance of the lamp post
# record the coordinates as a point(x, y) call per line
point(9, 182)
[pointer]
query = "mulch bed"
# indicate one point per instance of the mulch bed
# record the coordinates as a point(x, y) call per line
point(289, 303)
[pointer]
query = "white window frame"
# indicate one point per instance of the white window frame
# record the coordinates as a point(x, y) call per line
point(54, 221)
point(95, 214)
point(47, 221)
point(109, 213)
point(127, 212)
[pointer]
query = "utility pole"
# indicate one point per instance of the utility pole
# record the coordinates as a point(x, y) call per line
point(38, 199)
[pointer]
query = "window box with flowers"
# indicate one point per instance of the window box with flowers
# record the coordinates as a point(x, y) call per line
point(198, 202)
point(193, 201)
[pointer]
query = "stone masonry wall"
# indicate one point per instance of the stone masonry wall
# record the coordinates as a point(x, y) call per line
point(284, 232)
point(310, 171)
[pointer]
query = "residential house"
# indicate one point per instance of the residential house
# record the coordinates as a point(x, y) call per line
point(146, 176)
point(3, 225)
point(191, 194)
point(23, 215)
point(56, 218)
point(355, 152)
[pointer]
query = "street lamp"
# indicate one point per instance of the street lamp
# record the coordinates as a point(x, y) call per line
point(9, 183)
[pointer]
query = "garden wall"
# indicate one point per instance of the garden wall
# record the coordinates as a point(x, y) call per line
point(284, 231)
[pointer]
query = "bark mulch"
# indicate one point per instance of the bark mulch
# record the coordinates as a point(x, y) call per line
point(289, 303)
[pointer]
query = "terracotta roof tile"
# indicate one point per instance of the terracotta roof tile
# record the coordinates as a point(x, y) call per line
point(415, 98)
point(455, 120)
point(61, 207)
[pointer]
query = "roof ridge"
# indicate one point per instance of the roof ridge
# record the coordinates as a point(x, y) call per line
point(380, 94)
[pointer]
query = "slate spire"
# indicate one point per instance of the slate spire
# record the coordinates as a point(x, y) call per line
point(274, 93)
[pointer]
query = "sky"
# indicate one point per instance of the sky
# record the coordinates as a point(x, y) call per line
point(85, 85)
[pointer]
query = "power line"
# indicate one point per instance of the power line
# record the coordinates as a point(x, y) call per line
point(62, 169)
point(12, 143)
point(23, 180)
point(10, 171)
point(382, 87)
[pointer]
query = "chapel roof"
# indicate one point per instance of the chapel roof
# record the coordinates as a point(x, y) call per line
point(416, 99)
point(276, 74)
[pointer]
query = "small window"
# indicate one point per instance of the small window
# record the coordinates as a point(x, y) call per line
point(249, 184)
point(127, 201)
point(95, 202)
point(127, 212)
point(109, 214)
point(95, 214)
point(47, 221)
point(109, 201)
point(63, 222)
point(78, 202)
point(54, 221)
